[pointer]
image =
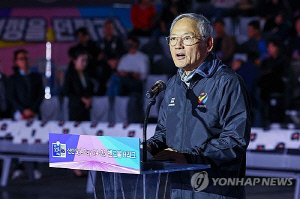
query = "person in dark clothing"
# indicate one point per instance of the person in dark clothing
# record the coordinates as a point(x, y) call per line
point(274, 80)
point(294, 41)
point(25, 89)
point(277, 27)
point(111, 44)
point(85, 42)
point(224, 45)
point(270, 8)
point(5, 111)
point(171, 9)
point(104, 70)
point(205, 114)
point(78, 86)
point(256, 43)
point(246, 68)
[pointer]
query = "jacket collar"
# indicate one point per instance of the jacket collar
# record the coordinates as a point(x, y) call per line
point(210, 65)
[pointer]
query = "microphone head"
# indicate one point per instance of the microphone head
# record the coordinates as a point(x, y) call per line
point(161, 84)
point(158, 87)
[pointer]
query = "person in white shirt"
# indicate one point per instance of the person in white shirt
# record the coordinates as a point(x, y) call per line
point(131, 72)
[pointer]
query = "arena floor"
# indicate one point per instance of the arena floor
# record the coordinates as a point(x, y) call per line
point(62, 184)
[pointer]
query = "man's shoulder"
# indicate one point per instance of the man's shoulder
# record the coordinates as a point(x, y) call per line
point(171, 81)
point(141, 54)
point(225, 74)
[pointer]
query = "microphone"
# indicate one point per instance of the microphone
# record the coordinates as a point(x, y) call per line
point(158, 87)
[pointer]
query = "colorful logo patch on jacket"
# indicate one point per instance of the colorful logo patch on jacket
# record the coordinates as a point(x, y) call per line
point(202, 98)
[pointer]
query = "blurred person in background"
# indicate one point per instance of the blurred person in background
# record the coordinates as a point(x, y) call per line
point(270, 8)
point(25, 88)
point(256, 43)
point(4, 105)
point(85, 42)
point(277, 27)
point(104, 70)
point(111, 44)
point(132, 71)
point(143, 17)
point(224, 45)
point(274, 80)
point(26, 92)
point(244, 66)
point(171, 9)
point(78, 86)
point(294, 43)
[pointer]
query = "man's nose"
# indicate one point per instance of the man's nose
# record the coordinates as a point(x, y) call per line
point(179, 44)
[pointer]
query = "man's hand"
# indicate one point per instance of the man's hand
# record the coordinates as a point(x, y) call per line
point(122, 73)
point(87, 102)
point(28, 113)
point(149, 149)
point(136, 75)
point(171, 155)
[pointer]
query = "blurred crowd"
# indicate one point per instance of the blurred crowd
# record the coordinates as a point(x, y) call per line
point(266, 56)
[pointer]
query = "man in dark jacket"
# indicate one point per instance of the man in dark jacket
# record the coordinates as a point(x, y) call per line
point(25, 89)
point(204, 117)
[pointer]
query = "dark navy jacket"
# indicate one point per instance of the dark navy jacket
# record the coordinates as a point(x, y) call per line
point(209, 122)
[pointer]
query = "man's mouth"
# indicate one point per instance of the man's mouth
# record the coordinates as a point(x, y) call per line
point(180, 56)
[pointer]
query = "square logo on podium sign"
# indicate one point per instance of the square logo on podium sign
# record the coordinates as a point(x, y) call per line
point(59, 150)
point(99, 153)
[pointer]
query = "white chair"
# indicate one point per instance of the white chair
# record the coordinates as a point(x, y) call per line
point(121, 109)
point(65, 109)
point(50, 108)
point(100, 109)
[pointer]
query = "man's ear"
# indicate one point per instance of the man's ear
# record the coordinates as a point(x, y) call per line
point(209, 44)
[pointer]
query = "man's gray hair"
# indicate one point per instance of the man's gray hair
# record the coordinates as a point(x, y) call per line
point(203, 24)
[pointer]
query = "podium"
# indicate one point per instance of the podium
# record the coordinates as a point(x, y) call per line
point(119, 160)
point(152, 183)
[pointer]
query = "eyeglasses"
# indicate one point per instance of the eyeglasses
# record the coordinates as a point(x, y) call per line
point(186, 40)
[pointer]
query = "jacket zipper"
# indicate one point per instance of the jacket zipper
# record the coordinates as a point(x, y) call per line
point(184, 113)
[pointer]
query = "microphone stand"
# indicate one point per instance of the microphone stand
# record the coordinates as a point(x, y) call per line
point(151, 103)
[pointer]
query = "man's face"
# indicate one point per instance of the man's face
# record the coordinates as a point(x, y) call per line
point(82, 38)
point(188, 57)
point(131, 44)
point(22, 62)
point(272, 49)
point(252, 32)
point(81, 62)
point(109, 29)
point(219, 29)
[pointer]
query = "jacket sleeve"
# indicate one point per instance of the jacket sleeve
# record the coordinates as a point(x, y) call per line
point(234, 119)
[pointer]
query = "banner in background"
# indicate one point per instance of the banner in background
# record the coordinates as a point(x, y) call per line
point(34, 29)
point(30, 28)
